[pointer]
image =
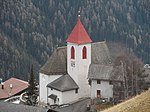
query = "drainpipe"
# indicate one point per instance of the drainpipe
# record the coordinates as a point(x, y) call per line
point(47, 95)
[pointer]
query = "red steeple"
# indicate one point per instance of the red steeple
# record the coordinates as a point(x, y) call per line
point(79, 34)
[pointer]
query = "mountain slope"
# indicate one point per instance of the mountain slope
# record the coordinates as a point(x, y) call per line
point(14, 61)
point(38, 27)
point(140, 103)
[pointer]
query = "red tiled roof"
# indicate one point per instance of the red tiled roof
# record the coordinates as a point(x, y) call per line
point(17, 87)
point(79, 34)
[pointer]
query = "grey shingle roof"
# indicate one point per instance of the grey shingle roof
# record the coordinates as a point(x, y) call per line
point(52, 96)
point(100, 53)
point(63, 83)
point(9, 107)
point(103, 72)
point(97, 71)
point(58, 61)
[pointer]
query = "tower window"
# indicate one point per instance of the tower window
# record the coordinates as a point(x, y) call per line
point(72, 53)
point(84, 55)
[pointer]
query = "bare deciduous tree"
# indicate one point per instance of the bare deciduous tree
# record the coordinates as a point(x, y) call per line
point(133, 73)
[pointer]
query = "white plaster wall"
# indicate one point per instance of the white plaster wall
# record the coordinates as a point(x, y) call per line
point(84, 87)
point(106, 89)
point(58, 94)
point(43, 81)
point(64, 97)
point(80, 72)
point(69, 96)
point(72, 70)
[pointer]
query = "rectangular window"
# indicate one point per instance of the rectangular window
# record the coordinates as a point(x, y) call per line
point(98, 93)
point(110, 82)
point(76, 91)
point(54, 101)
point(98, 81)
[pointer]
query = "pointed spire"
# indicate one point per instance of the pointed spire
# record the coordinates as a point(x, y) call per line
point(79, 34)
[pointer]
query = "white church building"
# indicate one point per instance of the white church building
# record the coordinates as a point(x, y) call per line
point(65, 77)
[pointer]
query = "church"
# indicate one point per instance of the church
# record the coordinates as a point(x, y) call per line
point(73, 71)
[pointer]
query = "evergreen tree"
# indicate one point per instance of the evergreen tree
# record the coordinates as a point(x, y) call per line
point(32, 90)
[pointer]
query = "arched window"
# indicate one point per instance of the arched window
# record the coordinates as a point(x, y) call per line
point(72, 53)
point(84, 53)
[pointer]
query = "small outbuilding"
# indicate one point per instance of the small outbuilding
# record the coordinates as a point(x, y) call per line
point(102, 79)
point(62, 90)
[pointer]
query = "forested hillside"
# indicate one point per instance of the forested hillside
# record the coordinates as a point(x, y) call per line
point(31, 29)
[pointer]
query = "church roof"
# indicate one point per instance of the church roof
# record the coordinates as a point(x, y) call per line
point(105, 72)
point(57, 63)
point(100, 53)
point(79, 34)
point(63, 83)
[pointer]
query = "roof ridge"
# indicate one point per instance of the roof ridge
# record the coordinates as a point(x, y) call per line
point(62, 47)
point(17, 80)
point(99, 42)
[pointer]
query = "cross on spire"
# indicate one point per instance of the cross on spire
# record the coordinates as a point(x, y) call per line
point(79, 14)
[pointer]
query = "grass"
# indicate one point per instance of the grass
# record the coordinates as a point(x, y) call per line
point(101, 107)
point(140, 103)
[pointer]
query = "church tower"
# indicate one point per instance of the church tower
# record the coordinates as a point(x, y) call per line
point(79, 57)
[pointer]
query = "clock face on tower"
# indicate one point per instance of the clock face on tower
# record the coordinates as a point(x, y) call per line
point(72, 63)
